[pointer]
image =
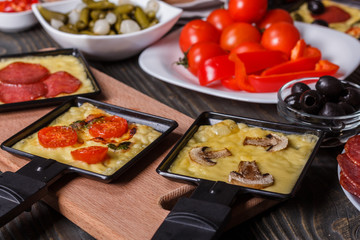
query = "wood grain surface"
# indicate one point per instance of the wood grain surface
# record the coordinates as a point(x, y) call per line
point(320, 210)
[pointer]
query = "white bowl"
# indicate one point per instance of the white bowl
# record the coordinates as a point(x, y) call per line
point(109, 47)
point(17, 21)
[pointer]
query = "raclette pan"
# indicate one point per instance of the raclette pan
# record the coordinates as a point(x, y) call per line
point(19, 190)
point(204, 214)
point(41, 102)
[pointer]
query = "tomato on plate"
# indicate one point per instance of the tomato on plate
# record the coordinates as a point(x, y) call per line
point(16, 5)
point(91, 155)
point(57, 136)
point(247, 10)
point(197, 31)
point(200, 52)
point(220, 19)
point(281, 36)
point(109, 127)
point(238, 33)
point(273, 16)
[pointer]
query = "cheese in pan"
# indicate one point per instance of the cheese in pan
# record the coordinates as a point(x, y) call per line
point(283, 164)
point(136, 138)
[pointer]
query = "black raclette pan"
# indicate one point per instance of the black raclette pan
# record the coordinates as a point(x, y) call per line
point(19, 190)
point(203, 215)
point(53, 100)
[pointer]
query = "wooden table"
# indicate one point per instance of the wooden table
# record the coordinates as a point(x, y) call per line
point(320, 210)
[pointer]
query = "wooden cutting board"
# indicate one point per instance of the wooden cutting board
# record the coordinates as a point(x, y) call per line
point(134, 206)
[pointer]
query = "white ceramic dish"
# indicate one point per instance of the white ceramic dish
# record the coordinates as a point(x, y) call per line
point(110, 47)
point(335, 46)
point(17, 21)
point(352, 198)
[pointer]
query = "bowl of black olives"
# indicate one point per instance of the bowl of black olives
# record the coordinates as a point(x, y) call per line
point(325, 103)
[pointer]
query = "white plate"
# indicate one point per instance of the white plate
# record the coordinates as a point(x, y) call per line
point(159, 61)
point(352, 198)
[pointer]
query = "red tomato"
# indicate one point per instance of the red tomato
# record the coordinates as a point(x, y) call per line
point(200, 52)
point(197, 31)
point(247, 10)
point(273, 16)
point(247, 47)
point(57, 136)
point(281, 36)
point(238, 33)
point(220, 19)
point(109, 127)
point(91, 155)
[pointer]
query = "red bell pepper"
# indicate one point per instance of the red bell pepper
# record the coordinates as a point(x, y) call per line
point(272, 83)
point(256, 61)
point(298, 50)
point(298, 65)
point(215, 68)
point(230, 83)
point(240, 73)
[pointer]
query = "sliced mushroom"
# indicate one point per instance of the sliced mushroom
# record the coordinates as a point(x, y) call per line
point(204, 156)
point(273, 141)
point(249, 175)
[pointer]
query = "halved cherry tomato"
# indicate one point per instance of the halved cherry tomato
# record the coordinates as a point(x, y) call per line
point(220, 19)
point(238, 33)
point(280, 36)
point(273, 16)
point(90, 155)
point(216, 68)
point(197, 31)
point(247, 10)
point(109, 127)
point(200, 52)
point(57, 136)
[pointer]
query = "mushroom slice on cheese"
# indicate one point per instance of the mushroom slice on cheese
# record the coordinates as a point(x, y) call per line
point(274, 142)
point(204, 156)
point(249, 175)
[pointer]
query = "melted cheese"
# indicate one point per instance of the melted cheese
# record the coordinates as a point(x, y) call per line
point(285, 165)
point(54, 64)
point(343, 26)
point(143, 137)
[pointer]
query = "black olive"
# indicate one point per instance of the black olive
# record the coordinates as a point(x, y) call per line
point(293, 100)
point(331, 109)
point(321, 22)
point(329, 86)
point(351, 96)
point(348, 109)
point(316, 7)
point(299, 87)
point(311, 101)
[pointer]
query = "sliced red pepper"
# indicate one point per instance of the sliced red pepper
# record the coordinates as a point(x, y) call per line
point(256, 61)
point(299, 50)
point(240, 73)
point(298, 65)
point(230, 83)
point(215, 68)
point(272, 83)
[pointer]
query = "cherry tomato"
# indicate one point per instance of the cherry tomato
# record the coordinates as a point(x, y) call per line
point(281, 36)
point(57, 136)
point(238, 33)
point(200, 52)
point(247, 10)
point(197, 31)
point(220, 19)
point(109, 127)
point(247, 47)
point(273, 16)
point(91, 155)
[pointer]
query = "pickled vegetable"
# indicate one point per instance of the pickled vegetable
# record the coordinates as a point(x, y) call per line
point(85, 18)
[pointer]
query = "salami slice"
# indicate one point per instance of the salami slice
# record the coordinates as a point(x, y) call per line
point(349, 185)
point(61, 82)
point(352, 149)
point(23, 73)
point(349, 167)
point(11, 93)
